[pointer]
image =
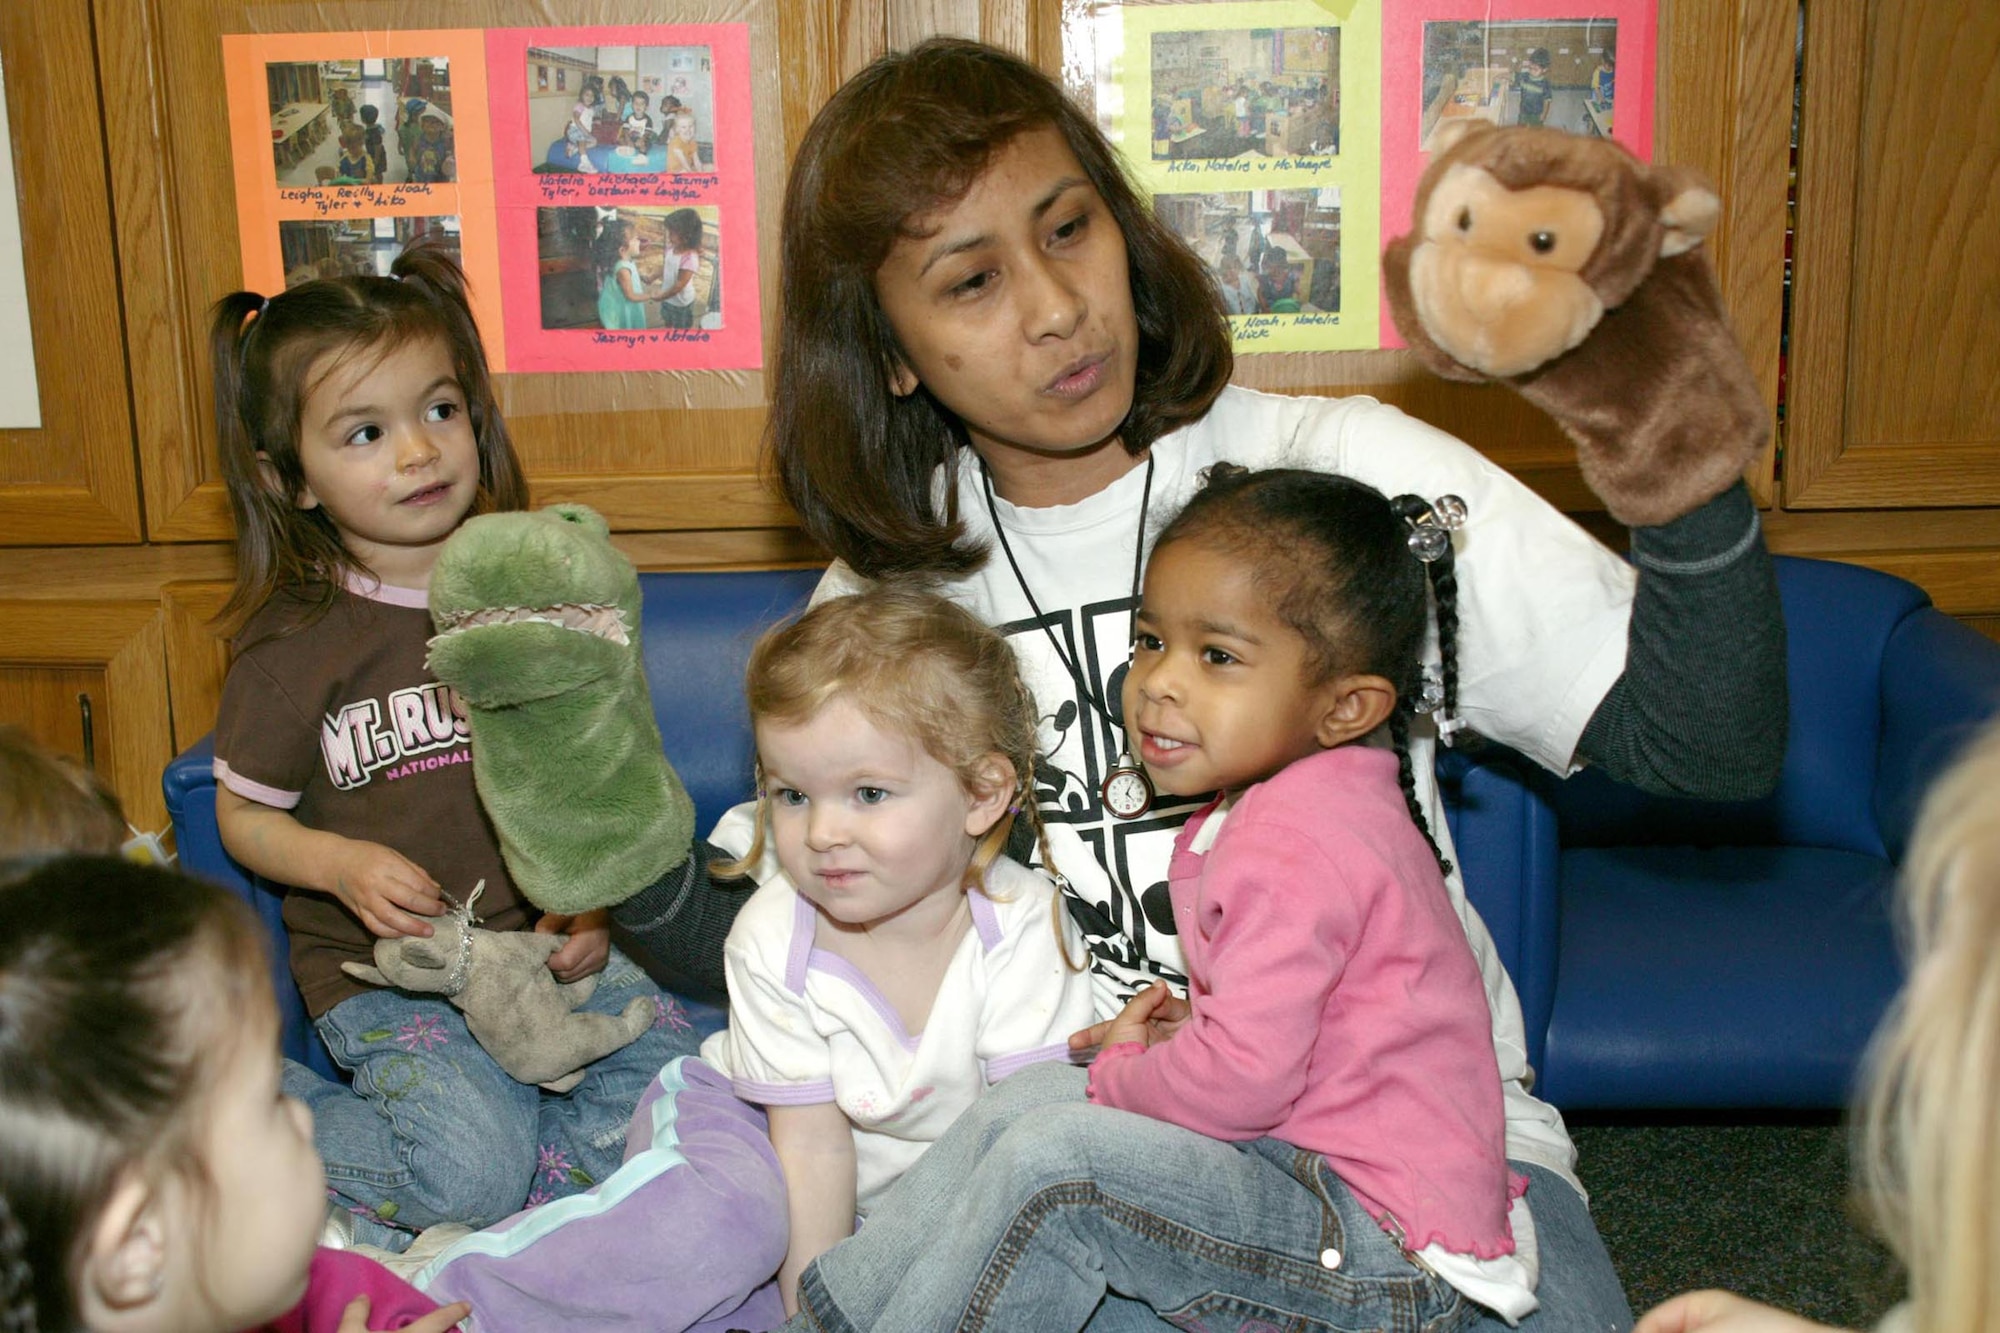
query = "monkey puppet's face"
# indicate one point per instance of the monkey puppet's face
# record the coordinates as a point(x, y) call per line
point(1497, 276)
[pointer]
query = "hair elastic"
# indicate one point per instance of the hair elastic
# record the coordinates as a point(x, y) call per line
point(1430, 531)
point(250, 318)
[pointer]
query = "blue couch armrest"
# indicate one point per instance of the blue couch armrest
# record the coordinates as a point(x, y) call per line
point(1940, 684)
point(190, 789)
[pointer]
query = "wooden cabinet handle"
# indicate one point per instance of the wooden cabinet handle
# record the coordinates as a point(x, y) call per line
point(89, 732)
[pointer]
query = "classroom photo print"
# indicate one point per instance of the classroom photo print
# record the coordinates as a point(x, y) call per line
point(583, 250)
point(361, 122)
point(345, 247)
point(628, 110)
point(1245, 92)
point(1271, 252)
point(1556, 72)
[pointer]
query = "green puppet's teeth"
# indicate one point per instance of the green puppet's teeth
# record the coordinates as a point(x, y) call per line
point(593, 618)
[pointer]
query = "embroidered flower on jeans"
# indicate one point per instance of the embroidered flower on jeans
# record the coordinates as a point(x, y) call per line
point(538, 1195)
point(667, 1013)
point(422, 1033)
point(554, 1165)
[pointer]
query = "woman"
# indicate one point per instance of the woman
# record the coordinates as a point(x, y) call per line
point(990, 342)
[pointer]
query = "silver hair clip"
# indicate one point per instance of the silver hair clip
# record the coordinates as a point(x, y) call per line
point(1430, 531)
point(263, 304)
point(1430, 694)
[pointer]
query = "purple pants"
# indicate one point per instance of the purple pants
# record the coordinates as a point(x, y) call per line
point(686, 1235)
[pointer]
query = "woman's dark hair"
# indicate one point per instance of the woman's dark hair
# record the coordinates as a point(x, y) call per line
point(911, 133)
point(1332, 557)
point(120, 985)
point(269, 356)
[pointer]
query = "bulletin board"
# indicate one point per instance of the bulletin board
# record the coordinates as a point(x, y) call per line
point(660, 428)
point(1283, 139)
point(525, 204)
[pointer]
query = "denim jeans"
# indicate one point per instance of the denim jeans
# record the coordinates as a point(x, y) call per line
point(1039, 1211)
point(433, 1130)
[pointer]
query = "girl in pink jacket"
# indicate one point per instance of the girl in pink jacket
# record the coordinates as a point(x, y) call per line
point(1333, 1001)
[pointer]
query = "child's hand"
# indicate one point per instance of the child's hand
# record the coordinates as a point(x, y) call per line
point(1722, 1312)
point(589, 946)
point(354, 1319)
point(388, 891)
point(1151, 1016)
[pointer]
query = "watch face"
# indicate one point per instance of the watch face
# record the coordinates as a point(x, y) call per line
point(1127, 792)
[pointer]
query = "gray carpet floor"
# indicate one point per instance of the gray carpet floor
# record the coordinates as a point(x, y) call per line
point(1761, 1208)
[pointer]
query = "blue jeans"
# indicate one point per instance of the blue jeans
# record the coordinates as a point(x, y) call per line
point(1037, 1210)
point(433, 1130)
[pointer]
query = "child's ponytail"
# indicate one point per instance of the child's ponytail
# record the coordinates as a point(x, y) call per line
point(262, 510)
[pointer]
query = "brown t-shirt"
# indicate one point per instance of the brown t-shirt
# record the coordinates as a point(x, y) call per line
point(340, 723)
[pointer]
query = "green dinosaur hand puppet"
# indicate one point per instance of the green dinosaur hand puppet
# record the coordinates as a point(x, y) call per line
point(538, 633)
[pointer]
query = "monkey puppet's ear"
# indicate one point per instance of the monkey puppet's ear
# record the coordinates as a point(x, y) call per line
point(1688, 212)
point(1456, 130)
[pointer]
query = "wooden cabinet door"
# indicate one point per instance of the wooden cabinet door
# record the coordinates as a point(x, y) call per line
point(1894, 384)
point(71, 480)
point(63, 660)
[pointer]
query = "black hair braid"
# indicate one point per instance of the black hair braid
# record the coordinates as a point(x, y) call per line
point(17, 1279)
point(1406, 778)
point(1444, 590)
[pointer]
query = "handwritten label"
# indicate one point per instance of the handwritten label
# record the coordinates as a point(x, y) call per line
point(581, 188)
point(353, 200)
point(650, 337)
point(1262, 166)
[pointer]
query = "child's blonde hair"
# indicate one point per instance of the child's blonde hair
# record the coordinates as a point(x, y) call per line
point(914, 664)
point(121, 987)
point(49, 805)
point(1929, 1126)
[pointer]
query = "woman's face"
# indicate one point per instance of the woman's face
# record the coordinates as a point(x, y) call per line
point(1013, 306)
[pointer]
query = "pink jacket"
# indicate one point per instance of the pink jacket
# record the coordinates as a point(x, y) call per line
point(1337, 1005)
point(337, 1277)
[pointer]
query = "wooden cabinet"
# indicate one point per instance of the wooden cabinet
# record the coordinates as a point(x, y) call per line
point(1894, 378)
point(72, 481)
point(1895, 367)
point(89, 679)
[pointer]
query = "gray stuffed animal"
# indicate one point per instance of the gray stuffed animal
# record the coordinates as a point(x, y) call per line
point(513, 1004)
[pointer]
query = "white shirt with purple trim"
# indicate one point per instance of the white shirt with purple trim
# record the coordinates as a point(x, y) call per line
point(806, 1027)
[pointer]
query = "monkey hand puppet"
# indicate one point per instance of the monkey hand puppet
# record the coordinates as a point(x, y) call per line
point(1571, 271)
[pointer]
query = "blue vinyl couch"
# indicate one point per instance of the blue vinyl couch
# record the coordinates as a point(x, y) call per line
point(1667, 953)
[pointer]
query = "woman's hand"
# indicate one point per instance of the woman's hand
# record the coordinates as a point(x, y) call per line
point(589, 945)
point(388, 891)
point(1153, 1015)
point(1722, 1312)
point(354, 1319)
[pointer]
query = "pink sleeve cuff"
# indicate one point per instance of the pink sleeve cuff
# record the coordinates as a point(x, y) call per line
point(1115, 1053)
point(254, 791)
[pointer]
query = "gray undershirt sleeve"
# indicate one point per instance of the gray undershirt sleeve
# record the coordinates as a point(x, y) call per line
point(1701, 707)
point(682, 918)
